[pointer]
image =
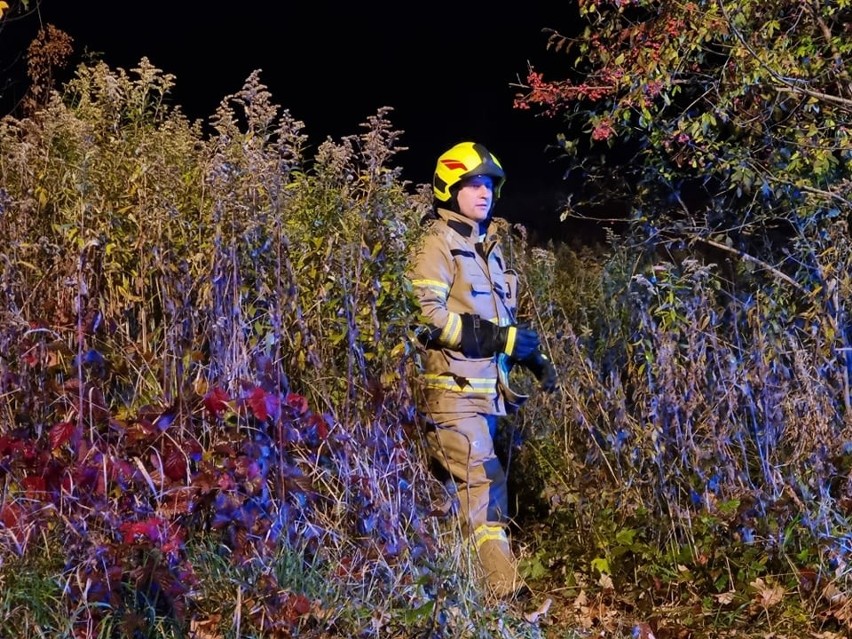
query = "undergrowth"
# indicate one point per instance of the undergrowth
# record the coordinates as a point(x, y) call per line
point(207, 390)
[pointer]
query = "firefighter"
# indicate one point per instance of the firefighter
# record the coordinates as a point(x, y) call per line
point(471, 338)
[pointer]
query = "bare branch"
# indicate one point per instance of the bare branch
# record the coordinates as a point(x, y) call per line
point(753, 260)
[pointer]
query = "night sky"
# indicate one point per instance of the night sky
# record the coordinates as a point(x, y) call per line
point(446, 69)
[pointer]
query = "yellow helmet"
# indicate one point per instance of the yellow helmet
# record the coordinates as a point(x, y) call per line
point(465, 160)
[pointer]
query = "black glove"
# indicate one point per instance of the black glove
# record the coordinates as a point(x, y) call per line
point(540, 365)
point(481, 338)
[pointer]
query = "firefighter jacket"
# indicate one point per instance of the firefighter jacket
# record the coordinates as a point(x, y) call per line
point(453, 271)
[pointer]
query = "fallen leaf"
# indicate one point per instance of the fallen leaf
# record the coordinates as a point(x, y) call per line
point(768, 596)
point(534, 616)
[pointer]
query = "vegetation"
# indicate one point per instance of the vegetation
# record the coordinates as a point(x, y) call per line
point(207, 379)
point(715, 388)
point(206, 421)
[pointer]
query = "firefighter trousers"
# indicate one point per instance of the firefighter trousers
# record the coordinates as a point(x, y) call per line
point(462, 445)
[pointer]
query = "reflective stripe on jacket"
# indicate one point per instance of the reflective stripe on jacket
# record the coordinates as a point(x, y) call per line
point(454, 271)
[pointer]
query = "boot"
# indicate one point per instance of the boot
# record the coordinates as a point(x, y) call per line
point(499, 568)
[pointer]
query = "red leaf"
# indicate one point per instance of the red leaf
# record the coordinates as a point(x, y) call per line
point(140, 430)
point(178, 502)
point(174, 463)
point(318, 421)
point(257, 403)
point(145, 530)
point(173, 543)
point(61, 433)
point(301, 605)
point(34, 486)
point(216, 401)
point(120, 470)
point(28, 451)
point(297, 403)
point(7, 444)
point(10, 515)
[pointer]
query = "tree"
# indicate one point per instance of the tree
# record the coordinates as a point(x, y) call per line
point(726, 122)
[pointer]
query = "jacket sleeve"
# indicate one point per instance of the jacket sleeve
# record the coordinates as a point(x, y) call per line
point(432, 273)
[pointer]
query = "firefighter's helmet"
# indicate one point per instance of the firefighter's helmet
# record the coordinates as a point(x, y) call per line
point(463, 161)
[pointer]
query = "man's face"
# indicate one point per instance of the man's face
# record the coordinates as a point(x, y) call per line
point(475, 197)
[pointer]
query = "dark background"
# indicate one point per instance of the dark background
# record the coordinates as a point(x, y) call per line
point(446, 69)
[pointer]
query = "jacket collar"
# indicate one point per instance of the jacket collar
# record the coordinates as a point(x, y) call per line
point(459, 223)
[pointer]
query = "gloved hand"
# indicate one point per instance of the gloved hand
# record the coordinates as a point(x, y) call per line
point(540, 365)
point(481, 338)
